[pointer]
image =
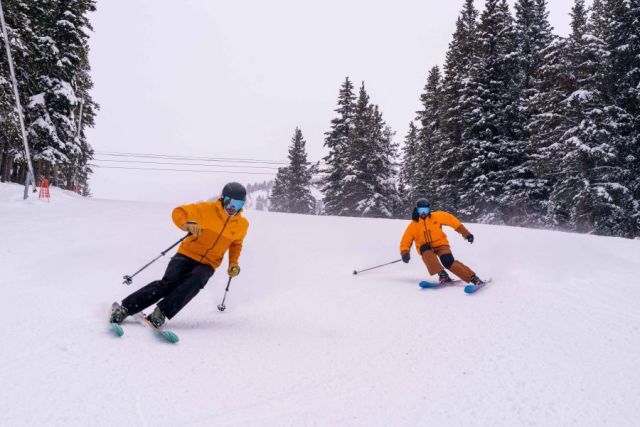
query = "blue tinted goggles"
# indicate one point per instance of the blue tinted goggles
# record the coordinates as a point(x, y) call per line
point(424, 211)
point(228, 202)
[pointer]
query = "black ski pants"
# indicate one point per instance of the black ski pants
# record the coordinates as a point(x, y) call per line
point(182, 281)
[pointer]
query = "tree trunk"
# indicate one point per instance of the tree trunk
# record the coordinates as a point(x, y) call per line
point(8, 169)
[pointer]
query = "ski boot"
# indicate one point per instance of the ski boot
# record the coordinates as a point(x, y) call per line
point(118, 313)
point(476, 280)
point(157, 318)
point(444, 278)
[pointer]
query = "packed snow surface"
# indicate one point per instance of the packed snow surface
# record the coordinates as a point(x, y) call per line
point(553, 340)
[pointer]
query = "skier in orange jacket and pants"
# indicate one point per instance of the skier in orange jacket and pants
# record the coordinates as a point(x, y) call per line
point(431, 243)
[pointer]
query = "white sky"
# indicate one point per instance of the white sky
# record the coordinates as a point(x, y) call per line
point(233, 79)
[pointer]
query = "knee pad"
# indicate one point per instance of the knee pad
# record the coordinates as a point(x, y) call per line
point(447, 260)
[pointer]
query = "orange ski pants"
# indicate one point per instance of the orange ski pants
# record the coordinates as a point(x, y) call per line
point(436, 258)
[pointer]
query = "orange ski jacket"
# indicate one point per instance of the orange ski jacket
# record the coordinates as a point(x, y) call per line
point(220, 232)
point(429, 230)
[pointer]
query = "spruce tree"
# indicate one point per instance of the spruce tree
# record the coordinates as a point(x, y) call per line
point(524, 193)
point(460, 56)
point(337, 141)
point(370, 177)
point(18, 18)
point(292, 187)
point(489, 150)
point(355, 190)
point(588, 196)
point(50, 45)
point(431, 176)
point(409, 167)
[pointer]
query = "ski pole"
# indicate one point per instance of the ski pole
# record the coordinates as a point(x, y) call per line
point(377, 266)
point(129, 279)
point(221, 306)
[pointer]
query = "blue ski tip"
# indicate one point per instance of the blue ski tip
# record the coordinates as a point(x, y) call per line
point(427, 285)
point(170, 336)
point(469, 289)
point(117, 329)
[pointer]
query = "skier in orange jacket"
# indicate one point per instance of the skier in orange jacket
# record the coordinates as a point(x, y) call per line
point(214, 227)
point(431, 243)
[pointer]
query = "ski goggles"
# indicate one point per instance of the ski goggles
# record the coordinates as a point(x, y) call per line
point(236, 204)
point(424, 211)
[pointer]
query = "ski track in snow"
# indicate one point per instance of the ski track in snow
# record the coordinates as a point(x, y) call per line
point(553, 340)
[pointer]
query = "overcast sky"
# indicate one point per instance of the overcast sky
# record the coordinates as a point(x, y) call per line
point(234, 79)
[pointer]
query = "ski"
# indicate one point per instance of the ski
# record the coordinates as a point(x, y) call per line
point(430, 285)
point(165, 335)
point(117, 329)
point(471, 288)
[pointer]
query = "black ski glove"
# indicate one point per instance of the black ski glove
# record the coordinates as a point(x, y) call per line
point(424, 248)
point(470, 238)
point(406, 257)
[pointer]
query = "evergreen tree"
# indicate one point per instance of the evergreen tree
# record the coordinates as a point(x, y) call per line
point(460, 56)
point(589, 196)
point(489, 151)
point(369, 181)
point(13, 166)
point(431, 176)
point(525, 192)
point(291, 191)
point(337, 140)
point(409, 167)
point(50, 45)
point(632, 84)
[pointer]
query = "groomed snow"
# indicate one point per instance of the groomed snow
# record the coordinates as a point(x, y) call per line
point(554, 340)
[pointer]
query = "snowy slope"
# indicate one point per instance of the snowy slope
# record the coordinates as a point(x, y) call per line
point(554, 340)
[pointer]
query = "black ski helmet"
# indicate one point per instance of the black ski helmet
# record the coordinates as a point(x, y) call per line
point(423, 203)
point(420, 203)
point(234, 190)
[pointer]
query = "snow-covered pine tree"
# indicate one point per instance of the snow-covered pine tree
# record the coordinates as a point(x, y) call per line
point(459, 58)
point(50, 45)
point(618, 28)
point(22, 38)
point(292, 188)
point(370, 177)
point(546, 125)
point(588, 195)
point(63, 84)
point(337, 139)
point(278, 201)
point(489, 151)
point(354, 189)
point(633, 83)
point(384, 200)
point(431, 176)
point(525, 193)
point(409, 166)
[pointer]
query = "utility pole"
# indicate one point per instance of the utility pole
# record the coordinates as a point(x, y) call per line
point(30, 176)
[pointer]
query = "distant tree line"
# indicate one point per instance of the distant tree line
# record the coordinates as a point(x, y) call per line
point(524, 127)
point(520, 127)
point(49, 43)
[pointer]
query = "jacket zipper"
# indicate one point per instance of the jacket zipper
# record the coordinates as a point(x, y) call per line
point(428, 239)
point(214, 243)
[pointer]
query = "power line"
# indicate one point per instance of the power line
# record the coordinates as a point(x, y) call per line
point(181, 170)
point(187, 164)
point(188, 158)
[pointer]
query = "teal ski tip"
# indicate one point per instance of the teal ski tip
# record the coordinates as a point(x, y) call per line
point(428, 285)
point(117, 329)
point(169, 336)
